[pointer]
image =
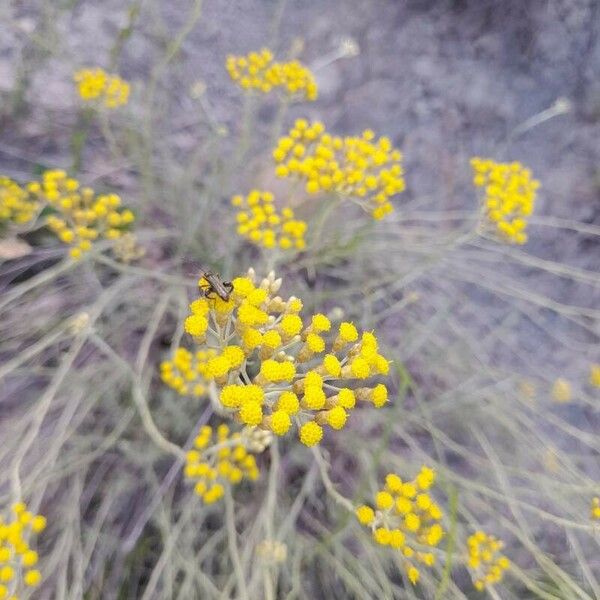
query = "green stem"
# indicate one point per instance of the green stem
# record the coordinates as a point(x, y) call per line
point(124, 34)
point(79, 137)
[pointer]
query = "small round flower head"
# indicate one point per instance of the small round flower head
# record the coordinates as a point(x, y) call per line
point(95, 85)
point(221, 458)
point(336, 417)
point(365, 514)
point(346, 398)
point(259, 72)
point(290, 325)
point(366, 170)
point(288, 402)
point(280, 422)
point(320, 323)
point(251, 413)
point(405, 520)
point(485, 561)
point(332, 365)
point(384, 500)
point(509, 199)
point(311, 433)
point(595, 375)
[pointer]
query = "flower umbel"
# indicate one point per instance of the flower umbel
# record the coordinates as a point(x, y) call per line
point(80, 215)
point(272, 369)
point(258, 71)
point(360, 168)
point(260, 222)
point(220, 458)
point(98, 85)
point(17, 558)
point(509, 200)
point(486, 563)
point(407, 519)
point(17, 204)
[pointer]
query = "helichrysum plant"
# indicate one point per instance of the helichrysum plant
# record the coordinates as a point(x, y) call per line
point(362, 169)
point(486, 563)
point(17, 205)
point(595, 375)
point(259, 221)
point(259, 72)
point(80, 216)
point(406, 518)
point(219, 458)
point(17, 558)
point(99, 87)
point(509, 197)
point(272, 369)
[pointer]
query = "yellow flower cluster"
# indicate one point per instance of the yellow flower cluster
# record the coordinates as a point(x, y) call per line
point(595, 509)
point(220, 458)
point(272, 368)
point(188, 373)
point(486, 562)
point(366, 170)
point(258, 71)
point(81, 216)
point(16, 556)
point(260, 223)
point(510, 192)
point(17, 205)
point(406, 518)
point(98, 85)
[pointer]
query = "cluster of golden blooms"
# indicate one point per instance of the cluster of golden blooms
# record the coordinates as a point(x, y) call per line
point(219, 458)
point(260, 223)
point(561, 390)
point(406, 518)
point(595, 509)
point(272, 368)
point(81, 216)
point(595, 375)
point(510, 192)
point(486, 562)
point(16, 556)
point(363, 169)
point(258, 71)
point(98, 85)
point(17, 204)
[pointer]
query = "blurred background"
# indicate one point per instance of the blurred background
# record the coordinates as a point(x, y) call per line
point(480, 333)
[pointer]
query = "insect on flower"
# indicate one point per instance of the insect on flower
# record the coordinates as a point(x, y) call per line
point(211, 283)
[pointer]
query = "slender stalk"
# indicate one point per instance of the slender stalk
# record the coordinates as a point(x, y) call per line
point(232, 544)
